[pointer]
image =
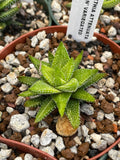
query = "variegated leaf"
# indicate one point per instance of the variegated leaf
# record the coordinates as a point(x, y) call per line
point(46, 107)
point(27, 94)
point(50, 57)
point(82, 75)
point(68, 69)
point(81, 94)
point(35, 61)
point(78, 59)
point(61, 56)
point(40, 87)
point(50, 74)
point(73, 112)
point(34, 102)
point(27, 80)
point(71, 86)
point(61, 101)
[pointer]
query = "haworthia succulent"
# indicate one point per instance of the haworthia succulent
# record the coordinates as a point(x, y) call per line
point(41, 87)
point(34, 102)
point(6, 3)
point(27, 94)
point(61, 101)
point(78, 59)
point(73, 112)
point(35, 61)
point(81, 94)
point(28, 80)
point(46, 107)
point(50, 57)
point(110, 3)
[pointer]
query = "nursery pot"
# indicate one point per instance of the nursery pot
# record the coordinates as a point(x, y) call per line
point(10, 48)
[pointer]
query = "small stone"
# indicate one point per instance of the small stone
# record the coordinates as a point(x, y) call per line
point(3, 146)
point(77, 140)
point(114, 154)
point(23, 87)
point(30, 11)
point(23, 53)
point(110, 116)
point(3, 80)
point(26, 139)
point(9, 110)
point(112, 31)
point(35, 140)
point(8, 39)
point(84, 130)
point(32, 113)
point(10, 58)
point(110, 83)
point(38, 55)
point(58, 16)
point(92, 90)
point(95, 137)
point(103, 59)
point(20, 68)
point(74, 149)
point(56, 7)
point(28, 157)
point(117, 7)
point(59, 143)
point(19, 123)
point(6, 87)
point(44, 44)
point(18, 158)
point(83, 149)
point(107, 54)
point(109, 138)
point(48, 150)
point(105, 19)
point(99, 66)
point(100, 145)
point(67, 154)
point(12, 78)
point(1, 47)
point(90, 125)
point(34, 41)
point(20, 101)
point(46, 137)
point(87, 109)
point(5, 153)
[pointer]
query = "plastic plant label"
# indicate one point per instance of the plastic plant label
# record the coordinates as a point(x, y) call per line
point(83, 19)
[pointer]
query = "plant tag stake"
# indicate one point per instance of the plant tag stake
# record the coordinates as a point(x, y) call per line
point(83, 19)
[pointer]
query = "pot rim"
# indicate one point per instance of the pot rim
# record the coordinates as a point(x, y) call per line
point(11, 46)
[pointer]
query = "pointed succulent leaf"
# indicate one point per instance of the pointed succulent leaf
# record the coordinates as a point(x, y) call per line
point(78, 59)
point(40, 87)
point(68, 69)
point(50, 57)
point(47, 106)
point(61, 56)
point(81, 94)
point(34, 102)
point(71, 86)
point(82, 75)
point(6, 3)
point(27, 93)
point(35, 61)
point(73, 112)
point(61, 101)
point(94, 79)
point(50, 74)
point(45, 63)
point(27, 80)
point(4, 16)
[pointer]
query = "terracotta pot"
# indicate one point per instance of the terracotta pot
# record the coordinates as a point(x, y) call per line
point(9, 48)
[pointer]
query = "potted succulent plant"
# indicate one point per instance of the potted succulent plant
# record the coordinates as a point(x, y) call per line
point(60, 86)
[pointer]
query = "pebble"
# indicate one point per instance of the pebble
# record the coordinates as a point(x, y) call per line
point(107, 54)
point(18, 158)
point(38, 55)
point(35, 140)
point(26, 139)
point(3, 146)
point(20, 68)
point(109, 138)
point(10, 58)
point(9, 110)
point(32, 113)
point(23, 87)
point(30, 11)
point(59, 144)
point(112, 31)
point(95, 137)
point(56, 7)
point(84, 130)
point(101, 83)
point(117, 8)
point(0, 116)
point(19, 123)
point(74, 149)
point(46, 137)
point(77, 140)
point(48, 150)
point(8, 39)
point(110, 116)
point(20, 100)
point(114, 154)
point(99, 66)
point(105, 19)
point(34, 41)
point(58, 16)
point(6, 87)
point(44, 44)
point(12, 78)
point(3, 80)
point(100, 145)
point(110, 83)
point(87, 109)
point(90, 125)
point(28, 156)
point(5, 153)
point(92, 90)
point(20, 52)
point(1, 47)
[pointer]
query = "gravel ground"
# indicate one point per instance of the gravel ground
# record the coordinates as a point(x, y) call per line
point(100, 125)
